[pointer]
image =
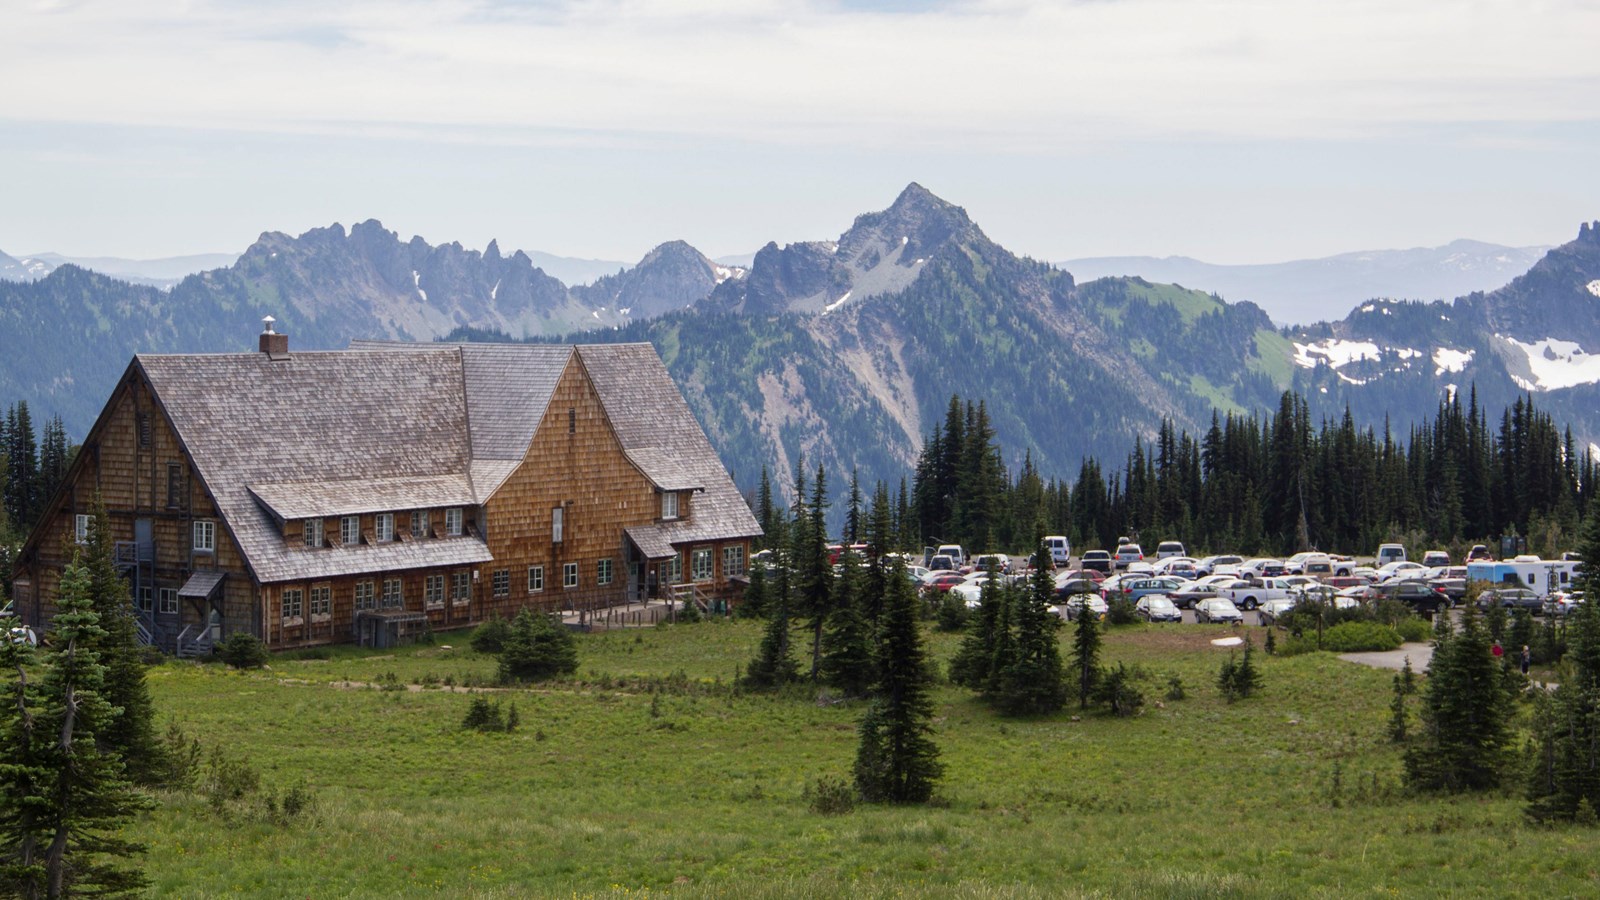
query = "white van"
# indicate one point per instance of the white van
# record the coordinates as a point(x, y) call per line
point(955, 552)
point(1170, 548)
point(1390, 553)
point(1060, 548)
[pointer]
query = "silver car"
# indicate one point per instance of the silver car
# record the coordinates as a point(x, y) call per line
point(1218, 610)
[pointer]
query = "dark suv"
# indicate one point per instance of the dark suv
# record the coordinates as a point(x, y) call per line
point(1419, 595)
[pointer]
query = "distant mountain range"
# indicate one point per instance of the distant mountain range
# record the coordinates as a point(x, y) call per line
point(847, 352)
point(1309, 290)
point(161, 273)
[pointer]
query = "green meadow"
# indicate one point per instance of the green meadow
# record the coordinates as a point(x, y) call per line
point(649, 775)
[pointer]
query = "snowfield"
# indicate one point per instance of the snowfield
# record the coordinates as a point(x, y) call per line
point(1555, 364)
point(1447, 360)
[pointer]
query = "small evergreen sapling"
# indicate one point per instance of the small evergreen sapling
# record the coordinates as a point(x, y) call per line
point(537, 648)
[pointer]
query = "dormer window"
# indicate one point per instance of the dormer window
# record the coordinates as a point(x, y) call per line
point(669, 505)
point(383, 527)
point(420, 524)
point(313, 533)
point(452, 521)
point(350, 530)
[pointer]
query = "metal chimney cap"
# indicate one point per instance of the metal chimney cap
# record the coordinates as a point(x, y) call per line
point(266, 324)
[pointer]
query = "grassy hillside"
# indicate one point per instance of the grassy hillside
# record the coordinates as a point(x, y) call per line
point(650, 776)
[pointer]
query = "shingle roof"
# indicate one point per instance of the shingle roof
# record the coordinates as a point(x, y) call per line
point(415, 426)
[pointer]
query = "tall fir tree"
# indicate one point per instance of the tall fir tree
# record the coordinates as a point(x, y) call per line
point(64, 801)
point(847, 662)
point(970, 667)
point(1465, 736)
point(1565, 779)
point(1035, 682)
point(897, 760)
point(1085, 656)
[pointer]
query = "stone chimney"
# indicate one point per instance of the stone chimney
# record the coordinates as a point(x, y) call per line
point(273, 344)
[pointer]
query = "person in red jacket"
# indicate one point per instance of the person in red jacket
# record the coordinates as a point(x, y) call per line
point(1496, 650)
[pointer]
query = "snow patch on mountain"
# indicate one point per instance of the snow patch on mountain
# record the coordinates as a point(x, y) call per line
point(1448, 360)
point(1554, 363)
point(1594, 287)
point(1334, 352)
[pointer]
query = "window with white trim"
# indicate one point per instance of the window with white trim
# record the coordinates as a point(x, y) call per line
point(421, 527)
point(535, 579)
point(293, 603)
point(569, 575)
point(364, 596)
point(452, 521)
point(558, 522)
point(169, 600)
point(461, 587)
point(700, 564)
point(146, 598)
point(669, 505)
point(393, 593)
point(602, 573)
point(80, 528)
point(321, 601)
point(501, 582)
point(205, 536)
point(383, 527)
point(734, 561)
point(313, 533)
point(673, 569)
point(433, 591)
point(350, 530)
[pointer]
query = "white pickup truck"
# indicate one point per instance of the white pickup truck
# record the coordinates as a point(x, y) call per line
point(1251, 594)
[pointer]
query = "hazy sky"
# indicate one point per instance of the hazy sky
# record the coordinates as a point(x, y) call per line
point(1233, 131)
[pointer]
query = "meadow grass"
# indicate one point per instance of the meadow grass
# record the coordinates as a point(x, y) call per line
point(649, 774)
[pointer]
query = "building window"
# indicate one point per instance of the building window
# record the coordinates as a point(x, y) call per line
point(313, 533)
point(602, 573)
point(393, 593)
point(174, 485)
point(734, 561)
point(146, 599)
point(572, 420)
point(293, 603)
point(569, 575)
point(205, 536)
point(146, 436)
point(350, 530)
point(420, 525)
point(321, 601)
point(452, 521)
point(501, 582)
point(364, 595)
point(700, 564)
point(535, 579)
point(433, 591)
point(169, 600)
point(383, 527)
point(80, 528)
point(673, 569)
point(461, 588)
point(558, 521)
point(669, 505)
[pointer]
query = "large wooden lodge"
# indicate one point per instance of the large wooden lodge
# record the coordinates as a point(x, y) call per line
point(362, 495)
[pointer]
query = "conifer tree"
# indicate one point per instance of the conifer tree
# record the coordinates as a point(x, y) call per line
point(970, 666)
point(774, 664)
point(1085, 656)
point(1465, 733)
point(1565, 780)
point(537, 647)
point(131, 735)
point(756, 595)
point(63, 800)
point(847, 662)
point(897, 760)
point(1034, 682)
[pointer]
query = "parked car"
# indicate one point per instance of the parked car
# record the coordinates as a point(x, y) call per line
point(1512, 598)
point(1002, 562)
point(1247, 594)
point(943, 562)
point(1060, 549)
point(1075, 605)
point(1479, 552)
point(1190, 594)
point(1128, 554)
point(1218, 609)
point(1137, 588)
point(1219, 565)
point(1296, 564)
point(1099, 560)
point(1167, 549)
point(1417, 594)
point(1562, 603)
point(1272, 609)
point(953, 551)
point(1157, 608)
point(940, 582)
point(1095, 574)
point(1070, 586)
point(1261, 567)
point(971, 588)
point(1389, 553)
point(1401, 567)
point(1435, 558)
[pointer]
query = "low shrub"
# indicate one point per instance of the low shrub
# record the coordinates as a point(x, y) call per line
point(1414, 630)
point(952, 612)
point(828, 796)
point(483, 715)
point(1119, 611)
point(243, 651)
point(490, 637)
point(1355, 637)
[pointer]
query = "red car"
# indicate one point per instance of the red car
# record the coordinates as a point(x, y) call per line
point(943, 582)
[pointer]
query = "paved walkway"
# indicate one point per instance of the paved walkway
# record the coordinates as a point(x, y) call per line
point(1420, 654)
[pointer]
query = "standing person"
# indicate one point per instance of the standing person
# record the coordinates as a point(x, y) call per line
point(1497, 650)
point(1527, 659)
